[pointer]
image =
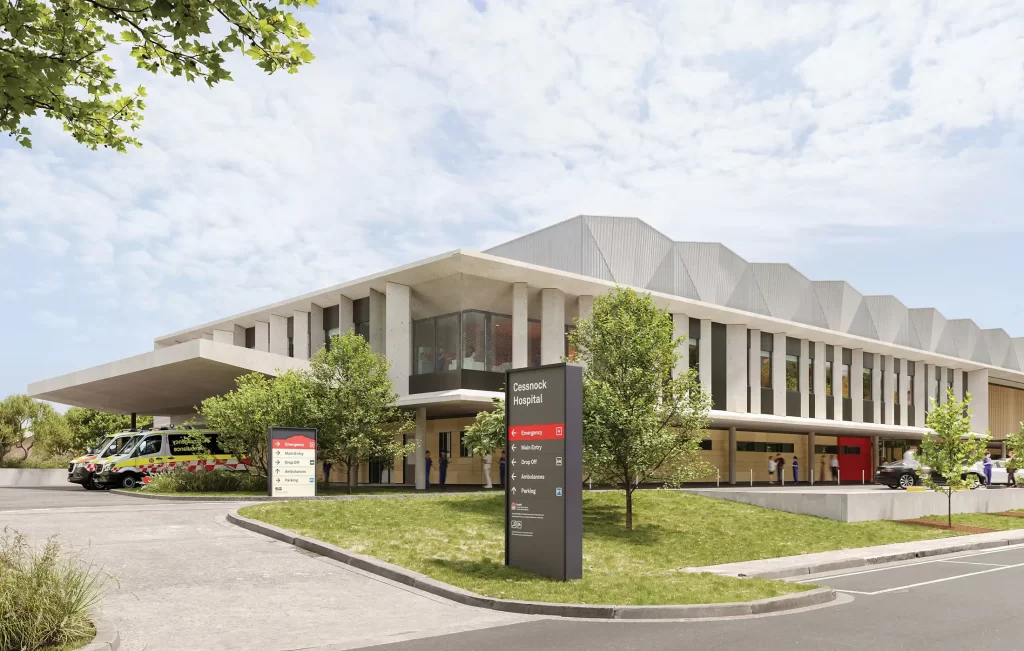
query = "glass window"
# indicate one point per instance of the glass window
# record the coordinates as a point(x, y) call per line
point(423, 346)
point(792, 373)
point(828, 378)
point(569, 351)
point(328, 333)
point(463, 450)
point(150, 446)
point(705, 444)
point(766, 370)
point(910, 390)
point(867, 383)
point(694, 352)
point(474, 341)
point(444, 443)
point(500, 344)
point(760, 446)
point(533, 342)
point(846, 380)
point(810, 375)
point(446, 343)
point(896, 384)
point(826, 449)
point(363, 330)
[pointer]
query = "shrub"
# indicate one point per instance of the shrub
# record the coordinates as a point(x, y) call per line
point(207, 481)
point(46, 596)
point(50, 463)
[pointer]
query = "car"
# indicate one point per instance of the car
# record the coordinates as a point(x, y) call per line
point(1000, 473)
point(898, 474)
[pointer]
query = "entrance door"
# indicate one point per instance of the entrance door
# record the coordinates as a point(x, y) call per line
point(855, 458)
point(409, 463)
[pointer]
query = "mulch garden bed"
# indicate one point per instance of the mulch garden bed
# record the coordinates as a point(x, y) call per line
point(960, 528)
point(1011, 514)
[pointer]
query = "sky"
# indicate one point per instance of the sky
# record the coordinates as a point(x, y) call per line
point(880, 143)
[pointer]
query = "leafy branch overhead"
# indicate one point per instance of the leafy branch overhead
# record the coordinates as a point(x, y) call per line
point(55, 56)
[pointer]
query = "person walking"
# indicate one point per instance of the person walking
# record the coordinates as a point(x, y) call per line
point(501, 470)
point(833, 466)
point(1011, 472)
point(327, 472)
point(428, 464)
point(780, 469)
point(442, 468)
point(487, 470)
point(796, 470)
point(771, 469)
point(987, 465)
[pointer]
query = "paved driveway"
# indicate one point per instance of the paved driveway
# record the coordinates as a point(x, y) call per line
point(186, 579)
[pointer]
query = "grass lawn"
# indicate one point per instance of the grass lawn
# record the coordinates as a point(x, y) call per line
point(460, 540)
point(987, 520)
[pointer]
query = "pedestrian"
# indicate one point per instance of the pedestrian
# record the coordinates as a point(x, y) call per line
point(987, 465)
point(910, 455)
point(780, 469)
point(487, 470)
point(833, 466)
point(501, 469)
point(442, 468)
point(821, 469)
point(771, 469)
point(796, 471)
point(327, 471)
point(1011, 472)
point(429, 464)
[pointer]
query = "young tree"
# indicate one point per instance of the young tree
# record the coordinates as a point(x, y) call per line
point(243, 417)
point(639, 423)
point(19, 416)
point(1015, 443)
point(487, 433)
point(949, 448)
point(54, 56)
point(353, 406)
point(87, 426)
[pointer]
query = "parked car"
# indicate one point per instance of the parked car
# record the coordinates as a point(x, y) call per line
point(904, 474)
point(1000, 474)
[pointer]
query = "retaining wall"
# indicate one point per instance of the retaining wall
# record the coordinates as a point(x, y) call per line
point(33, 477)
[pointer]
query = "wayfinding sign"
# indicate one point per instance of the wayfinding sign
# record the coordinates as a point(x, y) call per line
point(544, 474)
point(291, 468)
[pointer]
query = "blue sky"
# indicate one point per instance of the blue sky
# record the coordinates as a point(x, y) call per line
point(875, 142)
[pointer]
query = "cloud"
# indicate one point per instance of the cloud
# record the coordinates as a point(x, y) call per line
point(56, 321)
point(430, 126)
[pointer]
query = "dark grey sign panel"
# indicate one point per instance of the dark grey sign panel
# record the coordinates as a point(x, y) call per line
point(544, 474)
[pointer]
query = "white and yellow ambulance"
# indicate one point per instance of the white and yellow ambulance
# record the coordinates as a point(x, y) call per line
point(82, 470)
point(159, 451)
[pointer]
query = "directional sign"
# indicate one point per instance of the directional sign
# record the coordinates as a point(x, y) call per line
point(291, 468)
point(544, 501)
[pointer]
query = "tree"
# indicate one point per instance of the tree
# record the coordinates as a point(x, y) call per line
point(87, 426)
point(353, 406)
point(949, 448)
point(487, 433)
point(1015, 443)
point(243, 417)
point(639, 423)
point(20, 415)
point(54, 56)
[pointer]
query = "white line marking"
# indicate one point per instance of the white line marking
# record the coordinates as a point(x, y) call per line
point(853, 591)
point(970, 563)
point(902, 565)
point(950, 578)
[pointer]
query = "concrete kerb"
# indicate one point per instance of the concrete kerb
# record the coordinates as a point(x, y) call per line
point(265, 498)
point(106, 638)
point(422, 582)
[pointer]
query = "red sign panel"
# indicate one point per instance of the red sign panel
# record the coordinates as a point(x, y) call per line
point(295, 443)
point(553, 431)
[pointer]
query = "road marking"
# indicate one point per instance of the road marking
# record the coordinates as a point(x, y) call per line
point(932, 560)
point(970, 563)
point(949, 578)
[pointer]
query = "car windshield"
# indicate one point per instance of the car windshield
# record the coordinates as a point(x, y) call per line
point(122, 445)
point(102, 445)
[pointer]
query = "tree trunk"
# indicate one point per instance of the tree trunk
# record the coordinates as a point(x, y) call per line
point(353, 476)
point(949, 508)
point(629, 508)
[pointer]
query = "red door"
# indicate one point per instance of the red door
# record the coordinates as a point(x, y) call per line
point(855, 458)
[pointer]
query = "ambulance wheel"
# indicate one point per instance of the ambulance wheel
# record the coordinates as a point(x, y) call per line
point(129, 481)
point(89, 485)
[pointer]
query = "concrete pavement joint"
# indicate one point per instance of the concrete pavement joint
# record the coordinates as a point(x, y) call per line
point(426, 584)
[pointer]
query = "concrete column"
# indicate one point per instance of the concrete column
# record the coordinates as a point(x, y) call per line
point(888, 389)
point(398, 336)
point(378, 322)
point(779, 373)
point(421, 448)
point(705, 354)
point(736, 368)
point(732, 455)
point(958, 384)
point(920, 395)
point(874, 455)
point(224, 337)
point(931, 373)
point(317, 337)
point(977, 384)
point(804, 379)
point(904, 386)
point(837, 382)
point(346, 318)
point(263, 336)
point(857, 385)
point(876, 390)
point(811, 457)
point(820, 399)
point(552, 325)
point(941, 371)
point(681, 328)
point(520, 326)
point(586, 306)
point(754, 371)
point(279, 334)
point(300, 335)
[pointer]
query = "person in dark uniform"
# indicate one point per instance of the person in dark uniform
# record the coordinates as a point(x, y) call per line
point(442, 468)
point(430, 462)
point(327, 471)
point(501, 469)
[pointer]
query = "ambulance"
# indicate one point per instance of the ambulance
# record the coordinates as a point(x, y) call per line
point(82, 470)
point(162, 451)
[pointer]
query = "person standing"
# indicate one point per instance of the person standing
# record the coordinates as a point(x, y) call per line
point(487, 470)
point(987, 465)
point(429, 464)
point(442, 468)
point(501, 469)
point(780, 469)
point(1011, 472)
point(327, 472)
point(833, 466)
point(796, 470)
point(771, 469)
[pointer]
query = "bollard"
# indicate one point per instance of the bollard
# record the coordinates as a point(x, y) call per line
point(812, 476)
point(839, 477)
point(862, 477)
point(718, 477)
point(590, 481)
point(751, 476)
point(783, 478)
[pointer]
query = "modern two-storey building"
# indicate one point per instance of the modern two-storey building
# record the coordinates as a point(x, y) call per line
point(802, 368)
